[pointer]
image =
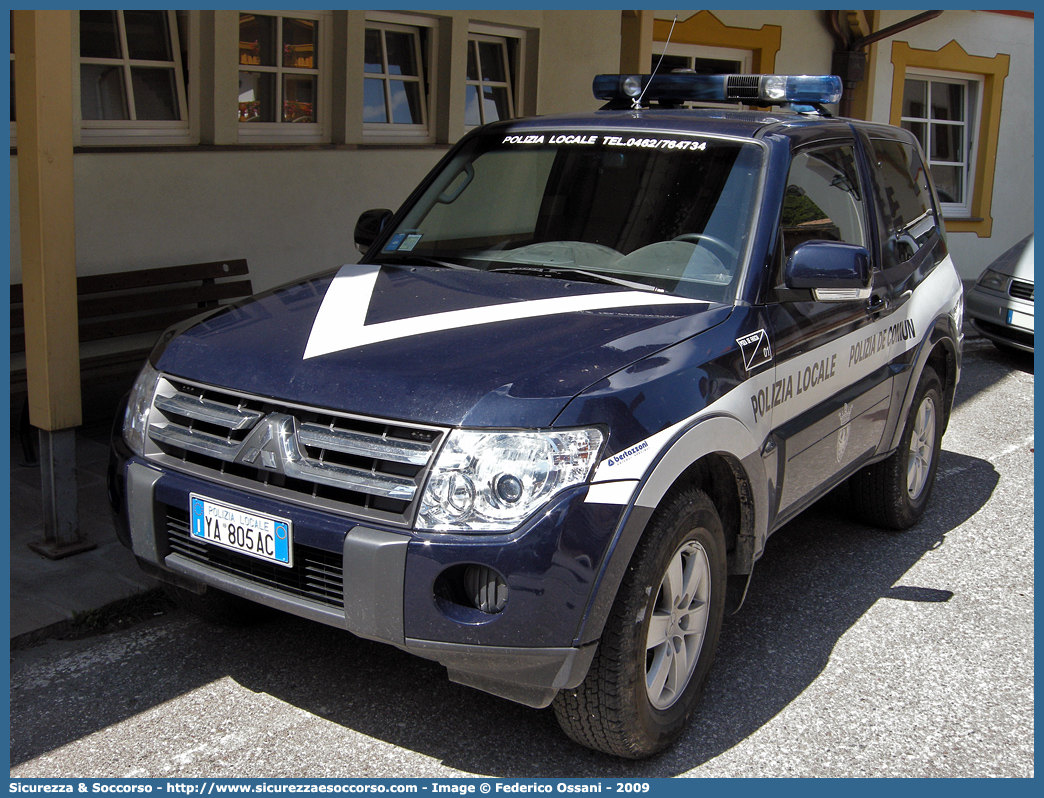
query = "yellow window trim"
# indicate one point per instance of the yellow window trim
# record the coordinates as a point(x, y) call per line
point(703, 28)
point(953, 58)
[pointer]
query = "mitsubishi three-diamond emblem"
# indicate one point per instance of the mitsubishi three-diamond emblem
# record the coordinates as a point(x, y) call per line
point(273, 441)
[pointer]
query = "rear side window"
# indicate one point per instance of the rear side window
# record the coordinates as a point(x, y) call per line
point(823, 200)
point(901, 182)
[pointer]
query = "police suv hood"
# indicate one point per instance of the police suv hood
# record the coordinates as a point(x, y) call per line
point(436, 345)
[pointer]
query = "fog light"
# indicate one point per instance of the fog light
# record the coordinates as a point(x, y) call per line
point(485, 588)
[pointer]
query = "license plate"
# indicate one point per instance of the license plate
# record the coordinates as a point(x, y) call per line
point(1023, 320)
point(230, 527)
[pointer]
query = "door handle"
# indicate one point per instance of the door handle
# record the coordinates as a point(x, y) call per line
point(876, 304)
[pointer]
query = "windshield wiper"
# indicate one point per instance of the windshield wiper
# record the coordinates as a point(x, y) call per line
point(409, 259)
point(545, 270)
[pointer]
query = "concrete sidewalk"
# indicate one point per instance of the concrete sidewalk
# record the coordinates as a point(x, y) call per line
point(47, 594)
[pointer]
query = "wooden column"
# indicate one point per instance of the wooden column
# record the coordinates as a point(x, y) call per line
point(43, 92)
point(636, 40)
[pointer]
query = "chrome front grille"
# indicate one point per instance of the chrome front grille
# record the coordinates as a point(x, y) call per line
point(369, 467)
point(1020, 289)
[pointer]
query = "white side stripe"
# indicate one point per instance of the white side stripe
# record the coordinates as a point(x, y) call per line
point(340, 322)
point(779, 390)
point(611, 492)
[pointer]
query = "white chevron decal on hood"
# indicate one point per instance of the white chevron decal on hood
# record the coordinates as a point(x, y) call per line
point(340, 322)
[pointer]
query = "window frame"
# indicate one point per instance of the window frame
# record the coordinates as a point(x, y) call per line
point(704, 29)
point(692, 51)
point(281, 132)
point(972, 96)
point(134, 131)
point(508, 44)
point(993, 71)
point(424, 32)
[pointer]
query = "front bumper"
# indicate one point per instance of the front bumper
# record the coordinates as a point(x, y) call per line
point(390, 584)
point(1001, 318)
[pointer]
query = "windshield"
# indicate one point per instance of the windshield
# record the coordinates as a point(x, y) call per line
point(665, 213)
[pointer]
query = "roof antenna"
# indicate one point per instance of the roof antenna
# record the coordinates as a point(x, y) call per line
point(636, 103)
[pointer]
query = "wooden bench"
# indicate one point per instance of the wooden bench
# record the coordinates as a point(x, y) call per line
point(131, 309)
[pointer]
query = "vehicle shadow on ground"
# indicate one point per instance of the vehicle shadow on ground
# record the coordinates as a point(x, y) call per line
point(992, 365)
point(1012, 359)
point(818, 576)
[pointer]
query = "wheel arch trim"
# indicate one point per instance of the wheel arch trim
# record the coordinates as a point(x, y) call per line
point(719, 434)
point(940, 341)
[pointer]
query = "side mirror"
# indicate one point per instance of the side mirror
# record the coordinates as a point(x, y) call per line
point(835, 272)
point(369, 226)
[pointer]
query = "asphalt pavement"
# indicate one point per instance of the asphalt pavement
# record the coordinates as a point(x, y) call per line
point(858, 653)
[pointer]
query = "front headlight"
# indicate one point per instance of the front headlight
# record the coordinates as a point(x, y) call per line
point(490, 481)
point(136, 419)
point(995, 281)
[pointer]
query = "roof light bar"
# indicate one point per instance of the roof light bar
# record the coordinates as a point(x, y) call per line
point(678, 87)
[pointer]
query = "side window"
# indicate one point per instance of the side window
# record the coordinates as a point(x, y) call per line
point(901, 182)
point(823, 200)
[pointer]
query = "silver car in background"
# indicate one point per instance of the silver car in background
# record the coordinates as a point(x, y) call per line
point(1000, 305)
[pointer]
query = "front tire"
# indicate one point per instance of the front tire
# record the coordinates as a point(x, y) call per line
point(893, 493)
point(659, 641)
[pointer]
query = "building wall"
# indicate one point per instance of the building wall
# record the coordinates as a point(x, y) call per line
point(291, 211)
point(805, 45)
point(980, 33)
point(574, 47)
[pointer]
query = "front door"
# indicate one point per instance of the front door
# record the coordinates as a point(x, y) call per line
point(830, 413)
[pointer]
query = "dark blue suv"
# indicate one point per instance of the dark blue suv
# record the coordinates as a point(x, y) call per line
point(541, 432)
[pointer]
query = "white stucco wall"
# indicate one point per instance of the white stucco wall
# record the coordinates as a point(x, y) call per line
point(289, 212)
point(982, 34)
point(805, 46)
point(574, 47)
